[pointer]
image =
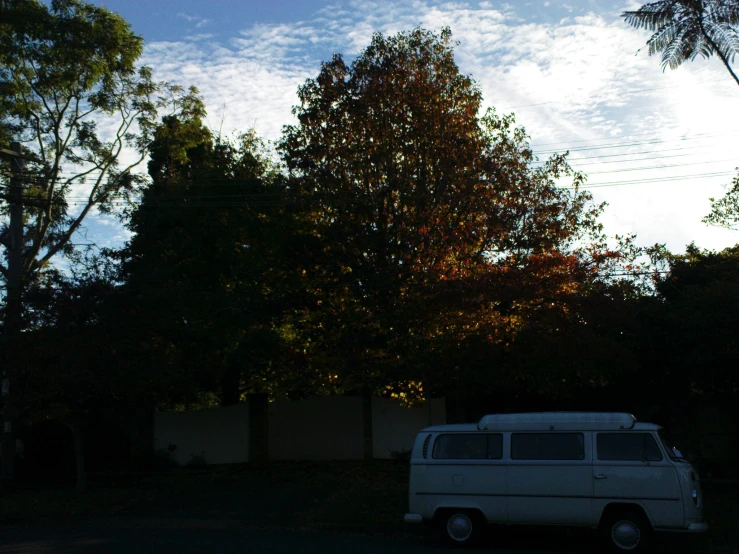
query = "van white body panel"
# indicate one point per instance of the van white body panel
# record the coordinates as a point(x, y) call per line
point(469, 485)
point(549, 492)
point(517, 484)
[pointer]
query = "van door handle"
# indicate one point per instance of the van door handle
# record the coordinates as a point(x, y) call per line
point(600, 476)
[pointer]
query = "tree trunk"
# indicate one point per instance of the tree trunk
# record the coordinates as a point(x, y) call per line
point(79, 455)
point(367, 424)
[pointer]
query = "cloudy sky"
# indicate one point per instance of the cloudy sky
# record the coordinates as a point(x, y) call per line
point(655, 145)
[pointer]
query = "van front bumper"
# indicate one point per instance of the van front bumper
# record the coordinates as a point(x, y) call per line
point(413, 518)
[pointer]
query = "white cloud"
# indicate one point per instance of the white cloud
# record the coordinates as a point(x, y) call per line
point(573, 84)
point(201, 36)
point(188, 17)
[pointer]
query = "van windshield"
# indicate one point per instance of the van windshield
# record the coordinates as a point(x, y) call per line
point(674, 454)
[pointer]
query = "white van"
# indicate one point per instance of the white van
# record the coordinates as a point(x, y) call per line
point(593, 469)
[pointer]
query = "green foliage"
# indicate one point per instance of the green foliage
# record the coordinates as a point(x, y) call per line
point(67, 71)
point(202, 271)
point(725, 210)
point(684, 29)
point(701, 300)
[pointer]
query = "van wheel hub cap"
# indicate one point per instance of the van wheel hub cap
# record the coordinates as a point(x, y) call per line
point(459, 527)
point(625, 534)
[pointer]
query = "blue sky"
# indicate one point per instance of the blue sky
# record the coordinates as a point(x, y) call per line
point(655, 145)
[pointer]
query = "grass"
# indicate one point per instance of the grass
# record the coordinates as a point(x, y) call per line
point(65, 505)
point(297, 494)
point(375, 494)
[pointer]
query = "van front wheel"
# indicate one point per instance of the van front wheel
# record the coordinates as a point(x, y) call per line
point(626, 531)
point(462, 527)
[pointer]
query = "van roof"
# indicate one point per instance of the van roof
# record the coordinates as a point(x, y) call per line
point(451, 427)
point(473, 427)
point(557, 421)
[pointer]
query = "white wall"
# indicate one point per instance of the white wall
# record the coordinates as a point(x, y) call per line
point(222, 434)
point(322, 428)
point(394, 427)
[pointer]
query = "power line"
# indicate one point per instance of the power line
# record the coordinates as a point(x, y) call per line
point(635, 143)
point(652, 168)
point(626, 137)
point(631, 153)
point(623, 93)
point(654, 180)
point(575, 163)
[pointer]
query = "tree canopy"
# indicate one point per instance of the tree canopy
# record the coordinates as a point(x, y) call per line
point(434, 221)
point(201, 269)
point(402, 240)
point(65, 70)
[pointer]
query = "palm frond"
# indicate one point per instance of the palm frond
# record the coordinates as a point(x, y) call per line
point(685, 29)
point(673, 47)
point(726, 38)
point(725, 12)
point(662, 39)
point(651, 16)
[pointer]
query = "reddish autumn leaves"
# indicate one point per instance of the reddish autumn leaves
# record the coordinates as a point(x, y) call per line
point(430, 214)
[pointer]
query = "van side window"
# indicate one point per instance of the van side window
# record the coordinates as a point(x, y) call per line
point(488, 446)
point(547, 446)
point(628, 447)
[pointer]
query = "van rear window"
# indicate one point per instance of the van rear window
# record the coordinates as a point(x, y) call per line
point(547, 446)
point(628, 447)
point(478, 446)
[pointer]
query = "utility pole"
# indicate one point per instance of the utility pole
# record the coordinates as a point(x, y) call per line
point(13, 309)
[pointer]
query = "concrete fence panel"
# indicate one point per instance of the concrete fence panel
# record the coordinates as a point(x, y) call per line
point(394, 427)
point(221, 435)
point(322, 428)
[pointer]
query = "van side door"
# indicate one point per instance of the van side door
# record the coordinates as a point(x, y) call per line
point(629, 466)
point(550, 478)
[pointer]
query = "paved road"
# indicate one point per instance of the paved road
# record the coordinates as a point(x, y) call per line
point(199, 536)
point(144, 536)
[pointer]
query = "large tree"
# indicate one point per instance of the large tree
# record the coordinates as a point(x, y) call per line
point(73, 97)
point(701, 295)
point(71, 94)
point(426, 212)
point(685, 29)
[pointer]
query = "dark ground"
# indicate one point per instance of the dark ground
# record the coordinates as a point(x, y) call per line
point(284, 507)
